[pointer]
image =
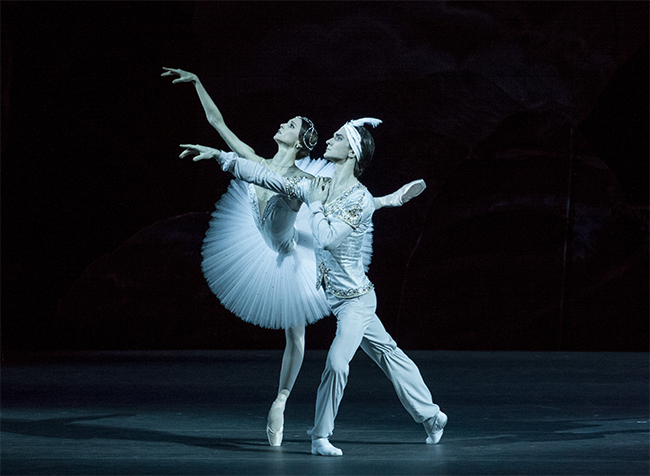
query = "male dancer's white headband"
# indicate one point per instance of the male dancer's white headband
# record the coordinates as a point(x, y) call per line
point(354, 138)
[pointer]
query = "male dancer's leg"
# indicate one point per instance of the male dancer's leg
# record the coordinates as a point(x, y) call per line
point(400, 369)
point(352, 317)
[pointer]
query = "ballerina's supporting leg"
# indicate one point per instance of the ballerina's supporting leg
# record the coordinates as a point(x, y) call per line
point(294, 352)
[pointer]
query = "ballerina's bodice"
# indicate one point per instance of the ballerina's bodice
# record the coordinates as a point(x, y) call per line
point(275, 222)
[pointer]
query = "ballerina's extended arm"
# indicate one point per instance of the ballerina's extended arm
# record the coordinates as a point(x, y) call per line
point(250, 172)
point(215, 118)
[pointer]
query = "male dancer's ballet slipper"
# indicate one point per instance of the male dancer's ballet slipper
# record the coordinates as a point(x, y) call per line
point(403, 194)
point(323, 447)
point(275, 419)
point(434, 427)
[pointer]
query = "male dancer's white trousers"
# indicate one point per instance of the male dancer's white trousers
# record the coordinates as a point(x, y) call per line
point(358, 325)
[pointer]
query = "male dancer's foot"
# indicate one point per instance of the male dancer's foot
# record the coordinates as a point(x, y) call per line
point(323, 447)
point(275, 419)
point(434, 427)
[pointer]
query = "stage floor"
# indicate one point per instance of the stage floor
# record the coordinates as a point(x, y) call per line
point(204, 413)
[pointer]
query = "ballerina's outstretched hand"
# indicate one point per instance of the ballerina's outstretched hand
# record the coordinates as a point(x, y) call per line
point(183, 76)
point(199, 152)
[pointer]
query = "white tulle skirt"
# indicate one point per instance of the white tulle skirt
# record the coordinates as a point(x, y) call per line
point(259, 285)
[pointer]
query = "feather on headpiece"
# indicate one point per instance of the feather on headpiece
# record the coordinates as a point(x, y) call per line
point(354, 138)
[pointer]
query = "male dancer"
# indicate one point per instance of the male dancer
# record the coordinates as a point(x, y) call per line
point(342, 209)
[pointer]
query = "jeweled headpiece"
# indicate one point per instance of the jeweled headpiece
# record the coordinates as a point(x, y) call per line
point(354, 138)
point(308, 137)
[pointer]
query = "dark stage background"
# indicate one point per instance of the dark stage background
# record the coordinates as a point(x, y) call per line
point(528, 120)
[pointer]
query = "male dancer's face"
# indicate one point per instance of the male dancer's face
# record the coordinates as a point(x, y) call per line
point(338, 148)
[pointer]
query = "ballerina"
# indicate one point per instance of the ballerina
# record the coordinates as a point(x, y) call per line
point(258, 252)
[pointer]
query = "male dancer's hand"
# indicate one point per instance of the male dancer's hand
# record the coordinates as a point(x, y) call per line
point(320, 189)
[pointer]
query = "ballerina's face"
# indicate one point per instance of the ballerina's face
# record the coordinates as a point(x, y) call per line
point(338, 147)
point(289, 132)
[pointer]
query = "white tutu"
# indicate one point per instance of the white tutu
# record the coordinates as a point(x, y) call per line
point(257, 284)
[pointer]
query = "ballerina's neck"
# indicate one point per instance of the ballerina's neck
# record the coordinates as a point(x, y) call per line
point(287, 168)
point(284, 157)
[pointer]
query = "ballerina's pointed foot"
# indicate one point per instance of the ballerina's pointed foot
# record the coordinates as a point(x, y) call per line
point(403, 194)
point(411, 190)
point(274, 437)
point(434, 427)
point(323, 447)
point(275, 421)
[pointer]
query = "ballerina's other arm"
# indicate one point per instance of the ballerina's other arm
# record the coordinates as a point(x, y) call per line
point(294, 187)
point(215, 118)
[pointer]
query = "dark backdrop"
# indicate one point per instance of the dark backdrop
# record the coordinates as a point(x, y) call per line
point(528, 120)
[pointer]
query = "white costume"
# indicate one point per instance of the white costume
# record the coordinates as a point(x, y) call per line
point(262, 267)
point(339, 229)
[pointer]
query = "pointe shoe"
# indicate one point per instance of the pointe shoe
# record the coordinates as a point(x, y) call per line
point(403, 194)
point(434, 427)
point(274, 437)
point(276, 418)
point(323, 447)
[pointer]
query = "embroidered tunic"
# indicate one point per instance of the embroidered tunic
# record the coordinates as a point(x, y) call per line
point(339, 228)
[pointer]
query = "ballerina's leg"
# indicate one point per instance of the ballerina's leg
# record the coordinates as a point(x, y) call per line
point(292, 358)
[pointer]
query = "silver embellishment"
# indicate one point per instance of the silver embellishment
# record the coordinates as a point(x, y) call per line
point(291, 186)
point(322, 271)
point(351, 215)
point(323, 277)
